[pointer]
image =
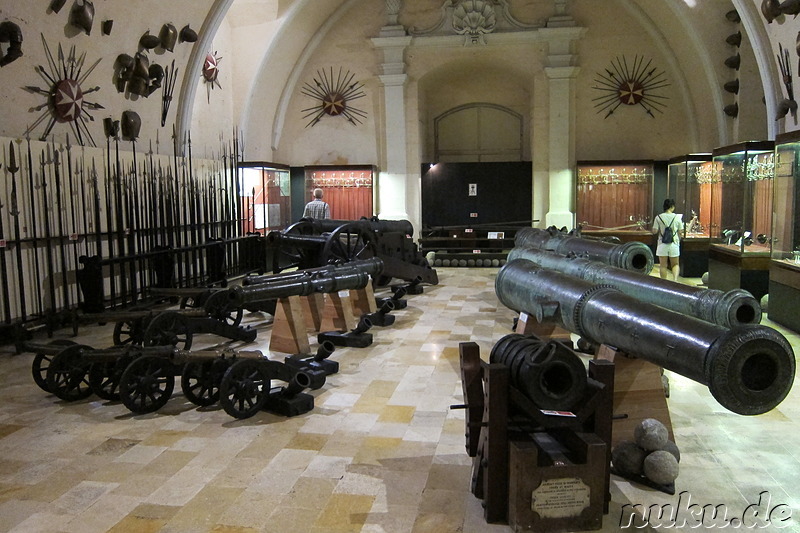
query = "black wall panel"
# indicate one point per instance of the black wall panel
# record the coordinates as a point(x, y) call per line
point(503, 190)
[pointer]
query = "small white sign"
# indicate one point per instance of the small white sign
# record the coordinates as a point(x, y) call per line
point(473, 215)
point(496, 235)
point(473, 189)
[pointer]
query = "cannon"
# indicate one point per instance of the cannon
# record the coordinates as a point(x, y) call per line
point(633, 256)
point(313, 243)
point(748, 369)
point(730, 308)
point(143, 378)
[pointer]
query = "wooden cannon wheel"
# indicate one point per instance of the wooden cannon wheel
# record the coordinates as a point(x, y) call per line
point(67, 374)
point(245, 388)
point(168, 328)
point(218, 306)
point(348, 242)
point(147, 383)
point(131, 330)
point(200, 380)
point(104, 377)
point(41, 363)
point(289, 256)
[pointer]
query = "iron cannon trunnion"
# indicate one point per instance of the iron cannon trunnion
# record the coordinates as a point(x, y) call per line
point(749, 369)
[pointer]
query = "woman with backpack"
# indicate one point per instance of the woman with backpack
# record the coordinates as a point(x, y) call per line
point(668, 226)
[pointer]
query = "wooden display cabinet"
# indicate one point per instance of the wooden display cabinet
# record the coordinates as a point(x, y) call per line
point(784, 268)
point(614, 198)
point(692, 176)
point(348, 189)
point(741, 213)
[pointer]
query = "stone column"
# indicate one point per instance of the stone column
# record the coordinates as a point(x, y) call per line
point(392, 181)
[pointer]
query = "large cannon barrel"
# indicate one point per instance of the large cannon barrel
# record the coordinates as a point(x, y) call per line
point(547, 372)
point(731, 308)
point(748, 369)
point(297, 287)
point(368, 224)
point(372, 266)
point(634, 256)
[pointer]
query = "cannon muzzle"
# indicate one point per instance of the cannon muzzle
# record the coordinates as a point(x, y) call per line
point(749, 369)
point(324, 351)
point(732, 308)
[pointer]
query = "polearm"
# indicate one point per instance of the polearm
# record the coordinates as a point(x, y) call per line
point(62, 254)
point(12, 167)
point(47, 235)
point(84, 207)
point(176, 192)
point(112, 282)
point(118, 203)
point(130, 230)
point(34, 235)
point(137, 205)
point(98, 233)
point(73, 236)
point(4, 271)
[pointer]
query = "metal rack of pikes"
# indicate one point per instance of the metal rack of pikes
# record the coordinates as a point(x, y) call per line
point(86, 231)
point(336, 303)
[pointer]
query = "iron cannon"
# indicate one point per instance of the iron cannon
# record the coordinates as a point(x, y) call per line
point(749, 369)
point(730, 308)
point(634, 256)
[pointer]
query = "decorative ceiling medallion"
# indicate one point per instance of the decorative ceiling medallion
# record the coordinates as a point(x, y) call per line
point(334, 97)
point(66, 100)
point(635, 84)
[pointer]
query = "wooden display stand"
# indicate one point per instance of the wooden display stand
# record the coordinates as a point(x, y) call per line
point(364, 300)
point(573, 448)
point(638, 393)
point(337, 314)
point(289, 330)
point(528, 325)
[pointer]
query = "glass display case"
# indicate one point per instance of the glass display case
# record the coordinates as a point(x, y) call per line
point(348, 189)
point(741, 216)
point(784, 270)
point(265, 195)
point(692, 176)
point(615, 198)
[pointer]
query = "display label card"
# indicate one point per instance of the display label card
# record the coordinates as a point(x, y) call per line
point(560, 498)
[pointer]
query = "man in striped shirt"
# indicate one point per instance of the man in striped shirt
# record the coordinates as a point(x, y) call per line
point(316, 208)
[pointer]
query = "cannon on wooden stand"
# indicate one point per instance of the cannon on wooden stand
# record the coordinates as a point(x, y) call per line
point(312, 243)
point(749, 369)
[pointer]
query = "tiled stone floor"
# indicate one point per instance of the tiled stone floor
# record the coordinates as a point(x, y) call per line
point(380, 452)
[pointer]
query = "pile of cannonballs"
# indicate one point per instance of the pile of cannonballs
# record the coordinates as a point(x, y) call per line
point(651, 454)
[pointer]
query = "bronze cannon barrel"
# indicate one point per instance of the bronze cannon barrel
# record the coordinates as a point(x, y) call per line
point(297, 287)
point(749, 369)
point(372, 266)
point(634, 256)
point(731, 308)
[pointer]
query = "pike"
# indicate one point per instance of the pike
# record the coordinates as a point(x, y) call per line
point(119, 220)
point(34, 236)
point(97, 230)
point(73, 208)
point(12, 167)
point(4, 271)
point(47, 234)
point(84, 208)
point(109, 226)
point(61, 253)
point(137, 219)
point(176, 191)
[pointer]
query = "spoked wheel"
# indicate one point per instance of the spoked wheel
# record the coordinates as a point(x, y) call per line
point(147, 384)
point(41, 362)
point(245, 388)
point(348, 242)
point(168, 329)
point(67, 375)
point(218, 306)
point(131, 330)
point(104, 377)
point(201, 380)
point(195, 301)
point(289, 255)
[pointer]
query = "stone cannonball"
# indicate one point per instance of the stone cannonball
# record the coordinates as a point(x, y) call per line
point(660, 467)
point(628, 458)
point(672, 448)
point(650, 434)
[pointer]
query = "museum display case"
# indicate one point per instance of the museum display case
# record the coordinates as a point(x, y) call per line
point(348, 189)
point(784, 269)
point(614, 198)
point(741, 216)
point(691, 176)
point(265, 195)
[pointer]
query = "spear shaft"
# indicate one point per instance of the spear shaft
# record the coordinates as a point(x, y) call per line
point(34, 236)
point(12, 167)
